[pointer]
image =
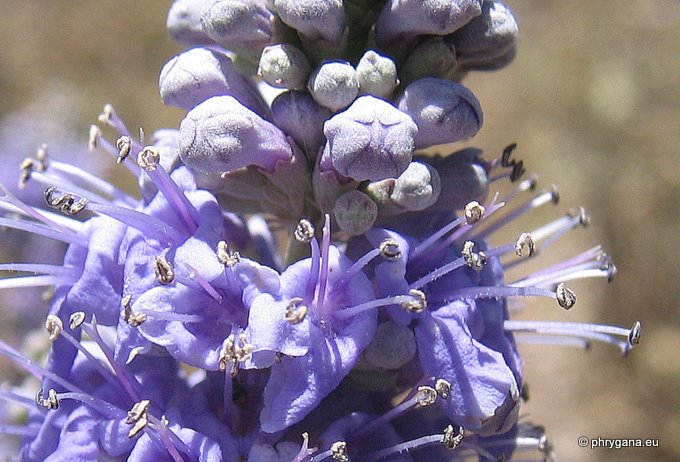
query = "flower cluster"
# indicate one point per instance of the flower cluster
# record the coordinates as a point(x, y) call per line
point(298, 280)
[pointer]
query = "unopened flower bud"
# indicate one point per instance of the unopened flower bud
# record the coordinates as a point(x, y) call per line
point(464, 178)
point(284, 66)
point(371, 140)
point(198, 74)
point(334, 85)
point(408, 18)
point(302, 118)
point(415, 189)
point(239, 24)
point(355, 212)
point(315, 19)
point(393, 346)
point(221, 135)
point(444, 111)
point(487, 40)
point(377, 75)
point(184, 22)
point(432, 58)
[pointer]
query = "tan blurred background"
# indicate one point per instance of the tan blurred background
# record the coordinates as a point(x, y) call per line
point(593, 101)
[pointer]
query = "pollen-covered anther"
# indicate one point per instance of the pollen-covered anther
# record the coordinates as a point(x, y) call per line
point(427, 396)
point(66, 203)
point(233, 352)
point(93, 137)
point(50, 403)
point(339, 451)
point(525, 242)
point(76, 320)
point(149, 158)
point(474, 212)
point(443, 388)
point(389, 249)
point(634, 335)
point(453, 436)
point(123, 144)
point(138, 417)
point(475, 260)
point(417, 303)
point(304, 231)
point(106, 114)
point(226, 256)
point(133, 318)
point(53, 326)
point(25, 170)
point(165, 273)
point(565, 296)
point(295, 313)
point(582, 215)
point(42, 158)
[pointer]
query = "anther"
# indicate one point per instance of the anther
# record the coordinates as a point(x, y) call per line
point(123, 144)
point(233, 352)
point(304, 231)
point(389, 249)
point(226, 256)
point(583, 217)
point(507, 152)
point(132, 318)
point(64, 202)
point(428, 396)
point(474, 260)
point(107, 112)
point(26, 168)
point(149, 158)
point(76, 320)
point(443, 388)
point(339, 451)
point(53, 326)
point(554, 194)
point(51, 403)
point(565, 296)
point(453, 437)
point(138, 417)
point(93, 137)
point(42, 158)
point(165, 273)
point(474, 212)
point(525, 242)
point(634, 335)
point(295, 313)
point(418, 302)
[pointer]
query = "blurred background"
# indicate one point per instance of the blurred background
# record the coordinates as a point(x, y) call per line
point(593, 101)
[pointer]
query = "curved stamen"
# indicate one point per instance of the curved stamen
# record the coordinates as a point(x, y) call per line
point(60, 223)
point(387, 301)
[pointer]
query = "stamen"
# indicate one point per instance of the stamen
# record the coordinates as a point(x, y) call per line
point(476, 261)
point(203, 283)
point(75, 174)
point(453, 437)
point(413, 301)
point(139, 416)
point(165, 273)
point(50, 403)
point(427, 396)
point(42, 158)
point(501, 292)
point(597, 332)
point(528, 184)
point(68, 272)
point(295, 313)
point(325, 255)
point(53, 326)
point(389, 249)
point(565, 296)
point(304, 232)
point(226, 256)
point(25, 171)
point(33, 281)
point(93, 137)
point(339, 451)
point(12, 204)
point(473, 212)
point(67, 203)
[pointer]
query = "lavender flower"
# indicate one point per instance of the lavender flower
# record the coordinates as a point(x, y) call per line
point(178, 329)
